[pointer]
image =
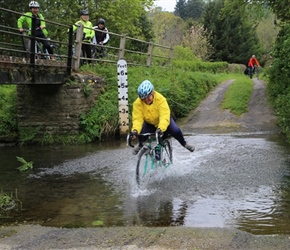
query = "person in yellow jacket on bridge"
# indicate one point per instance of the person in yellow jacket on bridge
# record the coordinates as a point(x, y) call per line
point(89, 33)
point(151, 113)
point(41, 31)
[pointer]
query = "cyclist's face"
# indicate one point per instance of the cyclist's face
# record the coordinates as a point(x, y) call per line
point(149, 99)
point(34, 10)
point(85, 17)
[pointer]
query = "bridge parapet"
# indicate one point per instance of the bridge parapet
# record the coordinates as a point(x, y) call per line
point(16, 70)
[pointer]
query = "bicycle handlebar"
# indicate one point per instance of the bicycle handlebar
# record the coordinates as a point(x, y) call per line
point(129, 138)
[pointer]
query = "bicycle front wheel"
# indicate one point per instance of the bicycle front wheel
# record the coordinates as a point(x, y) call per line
point(144, 167)
point(166, 154)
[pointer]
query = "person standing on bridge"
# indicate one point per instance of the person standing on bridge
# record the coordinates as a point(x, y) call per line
point(251, 65)
point(88, 33)
point(101, 37)
point(41, 31)
point(151, 113)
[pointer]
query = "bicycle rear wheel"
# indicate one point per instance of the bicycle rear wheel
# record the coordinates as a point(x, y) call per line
point(166, 154)
point(56, 51)
point(144, 168)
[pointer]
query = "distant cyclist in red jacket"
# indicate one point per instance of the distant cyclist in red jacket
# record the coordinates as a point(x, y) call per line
point(251, 65)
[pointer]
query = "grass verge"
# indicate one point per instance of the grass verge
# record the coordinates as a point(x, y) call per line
point(238, 95)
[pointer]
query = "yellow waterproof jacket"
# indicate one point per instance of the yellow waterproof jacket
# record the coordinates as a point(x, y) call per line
point(88, 33)
point(157, 113)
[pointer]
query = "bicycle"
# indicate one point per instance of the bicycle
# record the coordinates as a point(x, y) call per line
point(155, 153)
point(40, 51)
point(99, 52)
point(256, 70)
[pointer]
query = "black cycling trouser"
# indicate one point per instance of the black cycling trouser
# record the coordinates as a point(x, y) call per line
point(87, 51)
point(45, 42)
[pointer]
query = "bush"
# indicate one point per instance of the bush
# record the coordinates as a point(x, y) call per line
point(183, 89)
point(8, 112)
point(279, 74)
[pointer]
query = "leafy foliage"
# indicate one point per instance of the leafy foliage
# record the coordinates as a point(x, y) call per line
point(27, 135)
point(6, 203)
point(168, 28)
point(183, 58)
point(25, 165)
point(230, 32)
point(102, 119)
point(279, 73)
point(280, 8)
point(189, 9)
point(122, 16)
point(8, 112)
point(98, 223)
point(195, 39)
point(183, 89)
point(267, 33)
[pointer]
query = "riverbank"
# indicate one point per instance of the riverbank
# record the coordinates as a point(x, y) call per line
point(38, 238)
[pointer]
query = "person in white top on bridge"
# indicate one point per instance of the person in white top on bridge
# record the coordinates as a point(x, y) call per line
point(100, 37)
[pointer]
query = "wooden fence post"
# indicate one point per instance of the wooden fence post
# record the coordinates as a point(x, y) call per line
point(78, 48)
point(170, 55)
point(122, 47)
point(149, 54)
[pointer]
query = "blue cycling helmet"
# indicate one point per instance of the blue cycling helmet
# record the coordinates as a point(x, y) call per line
point(145, 89)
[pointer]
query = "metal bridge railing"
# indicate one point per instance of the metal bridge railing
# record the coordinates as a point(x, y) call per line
point(69, 56)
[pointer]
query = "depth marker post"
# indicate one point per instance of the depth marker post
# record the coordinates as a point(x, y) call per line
point(123, 97)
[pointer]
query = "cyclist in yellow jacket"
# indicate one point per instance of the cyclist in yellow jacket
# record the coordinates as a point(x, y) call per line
point(89, 33)
point(41, 31)
point(151, 113)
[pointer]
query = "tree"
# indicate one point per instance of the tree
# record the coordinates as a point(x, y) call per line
point(230, 32)
point(280, 8)
point(189, 9)
point(267, 32)
point(195, 9)
point(195, 39)
point(180, 9)
point(168, 28)
point(122, 16)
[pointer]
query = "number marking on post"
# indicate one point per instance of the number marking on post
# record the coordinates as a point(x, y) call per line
point(123, 97)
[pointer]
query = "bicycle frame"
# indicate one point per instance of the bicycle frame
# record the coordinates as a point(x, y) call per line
point(40, 51)
point(151, 156)
point(147, 156)
point(256, 70)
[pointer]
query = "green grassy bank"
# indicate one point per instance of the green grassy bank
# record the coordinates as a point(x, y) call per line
point(183, 88)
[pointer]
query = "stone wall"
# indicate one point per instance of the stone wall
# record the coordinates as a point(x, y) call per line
point(56, 109)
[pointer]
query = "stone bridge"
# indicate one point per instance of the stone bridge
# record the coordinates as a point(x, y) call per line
point(17, 70)
point(55, 109)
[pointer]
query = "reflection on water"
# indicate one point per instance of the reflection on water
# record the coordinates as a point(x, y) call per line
point(237, 181)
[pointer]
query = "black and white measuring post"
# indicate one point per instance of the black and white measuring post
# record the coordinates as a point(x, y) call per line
point(123, 97)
